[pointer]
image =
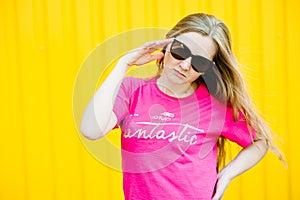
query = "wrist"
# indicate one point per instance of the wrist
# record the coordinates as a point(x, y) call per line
point(122, 65)
point(125, 61)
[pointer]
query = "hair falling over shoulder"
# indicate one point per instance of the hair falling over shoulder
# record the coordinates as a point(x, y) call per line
point(224, 81)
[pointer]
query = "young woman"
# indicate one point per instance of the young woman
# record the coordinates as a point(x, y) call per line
point(174, 125)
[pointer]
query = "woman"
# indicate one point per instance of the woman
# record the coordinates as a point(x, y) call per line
point(174, 125)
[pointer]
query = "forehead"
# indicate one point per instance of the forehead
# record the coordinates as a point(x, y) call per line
point(198, 44)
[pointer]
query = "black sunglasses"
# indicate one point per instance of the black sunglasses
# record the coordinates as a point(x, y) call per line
point(181, 52)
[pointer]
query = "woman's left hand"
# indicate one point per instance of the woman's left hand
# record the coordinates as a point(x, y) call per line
point(221, 186)
point(246, 159)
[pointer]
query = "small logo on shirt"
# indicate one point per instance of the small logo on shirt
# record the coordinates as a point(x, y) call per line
point(168, 114)
point(165, 116)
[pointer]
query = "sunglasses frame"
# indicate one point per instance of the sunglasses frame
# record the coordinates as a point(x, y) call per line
point(202, 67)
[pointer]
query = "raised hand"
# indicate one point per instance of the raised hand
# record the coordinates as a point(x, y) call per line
point(143, 54)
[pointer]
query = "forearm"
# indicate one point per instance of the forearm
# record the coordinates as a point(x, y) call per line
point(245, 160)
point(98, 118)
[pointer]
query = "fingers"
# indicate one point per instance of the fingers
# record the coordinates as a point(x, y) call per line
point(144, 53)
point(156, 44)
point(150, 58)
point(156, 56)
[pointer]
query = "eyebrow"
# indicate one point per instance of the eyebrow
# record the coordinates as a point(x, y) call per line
point(202, 50)
point(175, 39)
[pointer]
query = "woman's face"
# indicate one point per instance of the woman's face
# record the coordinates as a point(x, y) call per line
point(181, 71)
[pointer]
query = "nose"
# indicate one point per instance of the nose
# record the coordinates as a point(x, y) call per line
point(186, 64)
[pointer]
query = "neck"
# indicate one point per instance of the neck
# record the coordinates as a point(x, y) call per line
point(174, 89)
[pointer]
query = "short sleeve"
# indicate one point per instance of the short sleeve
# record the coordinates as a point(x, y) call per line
point(122, 102)
point(237, 131)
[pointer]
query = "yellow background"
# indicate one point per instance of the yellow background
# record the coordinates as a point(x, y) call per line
point(42, 46)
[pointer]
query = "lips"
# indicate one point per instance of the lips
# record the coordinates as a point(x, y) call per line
point(179, 73)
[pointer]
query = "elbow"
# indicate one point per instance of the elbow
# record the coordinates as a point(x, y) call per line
point(93, 129)
point(262, 145)
point(90, 134)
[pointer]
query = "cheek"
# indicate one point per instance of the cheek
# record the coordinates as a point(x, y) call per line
point(169, 61)
point(193, 76)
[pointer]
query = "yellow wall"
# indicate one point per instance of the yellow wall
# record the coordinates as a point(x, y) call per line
point(42, 46)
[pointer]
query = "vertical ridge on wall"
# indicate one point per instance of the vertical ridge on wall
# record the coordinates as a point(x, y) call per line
point(68, 151)
point(13, 40)
point(293, 43)
point(274, 107)
point(41, 44)
point(13, 157)
point(191, 7)
point(33, 96)
point(288, 131)
point(286, 115)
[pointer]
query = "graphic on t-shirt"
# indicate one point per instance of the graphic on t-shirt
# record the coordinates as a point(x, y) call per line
point(182, 132)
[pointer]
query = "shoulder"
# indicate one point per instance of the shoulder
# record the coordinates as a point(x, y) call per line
point(135, 82)
point(131, 84)
point(131, 80)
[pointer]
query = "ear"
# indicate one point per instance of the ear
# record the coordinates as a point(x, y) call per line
point(164, 49)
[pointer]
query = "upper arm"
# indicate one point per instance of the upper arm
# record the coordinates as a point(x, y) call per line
point(112, 123)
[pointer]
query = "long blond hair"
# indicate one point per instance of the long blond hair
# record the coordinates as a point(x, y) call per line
point(224, 80)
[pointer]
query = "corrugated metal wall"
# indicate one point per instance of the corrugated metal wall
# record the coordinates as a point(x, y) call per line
point(43, 44)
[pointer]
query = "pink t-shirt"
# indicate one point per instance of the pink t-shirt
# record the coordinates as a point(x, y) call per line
point(169, 144)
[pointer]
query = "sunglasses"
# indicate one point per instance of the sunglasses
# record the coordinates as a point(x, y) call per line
point(181, 52)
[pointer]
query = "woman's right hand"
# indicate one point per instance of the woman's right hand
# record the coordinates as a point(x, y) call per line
point(143, 54)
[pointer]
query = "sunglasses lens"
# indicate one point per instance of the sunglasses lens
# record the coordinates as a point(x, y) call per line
point(178, 51)
point(200, 64)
